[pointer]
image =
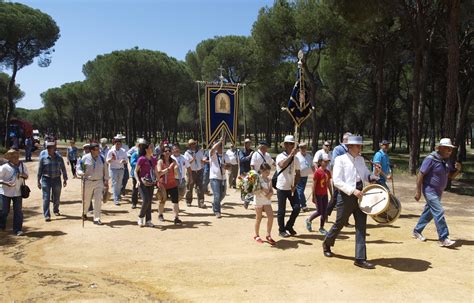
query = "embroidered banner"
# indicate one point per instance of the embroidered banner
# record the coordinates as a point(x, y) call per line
point(299, 107)
point(222, 107)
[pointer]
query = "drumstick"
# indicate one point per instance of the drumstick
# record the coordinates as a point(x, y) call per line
point(377, 202)
point(373, 193)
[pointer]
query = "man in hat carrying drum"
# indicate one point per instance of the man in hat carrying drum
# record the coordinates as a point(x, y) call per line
point(432, 179)
point(94, 173)
point(349, 173)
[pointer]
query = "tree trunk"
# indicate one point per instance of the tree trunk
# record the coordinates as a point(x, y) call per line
point(10, 103)
point(449, 127)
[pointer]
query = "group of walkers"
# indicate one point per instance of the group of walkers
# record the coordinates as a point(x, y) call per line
point(338, 179)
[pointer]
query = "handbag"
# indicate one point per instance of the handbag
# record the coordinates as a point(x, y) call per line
point(24, 189)
point(276, 174)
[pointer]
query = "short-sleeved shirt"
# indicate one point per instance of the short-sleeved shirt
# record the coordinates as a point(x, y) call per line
point(217, 166)
point(233, 156)
point(382, 158)
point(287, 178)
point(258, 158)
point(197, 164)
point(9, 173)
point(305, 163)
point(120, 154)
point(146, 167)
point(321, 179)
point(435, 171)
point(181, 167)
point(72, 153)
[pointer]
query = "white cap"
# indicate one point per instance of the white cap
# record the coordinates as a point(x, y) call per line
point(141, 141)
point(446, 142)
point(50, 143)
point(119, 137)
point(303, 144)
point(289, 139)
point(103, 140)
point(247, 140)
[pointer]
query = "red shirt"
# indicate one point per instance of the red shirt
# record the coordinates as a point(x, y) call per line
point(321, 179)
point(168, 180)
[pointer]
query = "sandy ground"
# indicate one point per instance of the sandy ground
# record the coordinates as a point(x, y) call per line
point(209, 259)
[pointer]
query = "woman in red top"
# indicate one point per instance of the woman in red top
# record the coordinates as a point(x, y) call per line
point(168, 184)
point(321, 183)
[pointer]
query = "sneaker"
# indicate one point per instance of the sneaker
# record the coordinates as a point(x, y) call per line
point(218, 215)
point(322, 231)
point(117, 203)
point(161, 218)
point(246, 204)
point(97, 222)
point(418, 236)
point(284, 234)
point(57, 213)
point(270, 240)
point(47, 219)
point(309, 225)
point(258, 239)
point(177, 221)
point(141, 222)
point(446, 242)
point(20, 233)
point(84, 217)
point(291, 231)
point(149, 224)
point(304, 209)
point(134, 206)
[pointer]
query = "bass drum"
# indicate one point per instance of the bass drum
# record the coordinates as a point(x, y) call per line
point(391, 214)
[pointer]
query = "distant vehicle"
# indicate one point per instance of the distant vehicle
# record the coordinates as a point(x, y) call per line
point(20, 130)
point(36, 137)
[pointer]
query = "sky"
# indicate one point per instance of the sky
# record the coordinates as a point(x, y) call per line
point(92, 27)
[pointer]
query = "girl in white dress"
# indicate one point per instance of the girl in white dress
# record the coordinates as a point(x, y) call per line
point(262, 202)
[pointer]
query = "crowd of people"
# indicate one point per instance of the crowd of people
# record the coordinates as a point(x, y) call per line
point(162, 173)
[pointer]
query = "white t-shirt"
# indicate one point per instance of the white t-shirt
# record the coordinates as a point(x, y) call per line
point(180, 169)
point(217, 172)
point(305, 163)
point(258, 158)
point(120, 155)
point(232, 156)
point(197, 164)
point(9, 174)
point(287, 178)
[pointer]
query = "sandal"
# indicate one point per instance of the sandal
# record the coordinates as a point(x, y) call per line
point(270, 240)
point(258, 239)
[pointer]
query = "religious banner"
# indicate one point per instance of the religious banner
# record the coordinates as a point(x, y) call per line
point(299, 107)
point(222, 107)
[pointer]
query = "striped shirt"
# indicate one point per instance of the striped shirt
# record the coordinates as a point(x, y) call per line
point(52, 167)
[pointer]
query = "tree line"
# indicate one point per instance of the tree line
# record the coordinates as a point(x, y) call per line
point(387, 69)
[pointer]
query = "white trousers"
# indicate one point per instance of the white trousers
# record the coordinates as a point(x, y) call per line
point(93, 190)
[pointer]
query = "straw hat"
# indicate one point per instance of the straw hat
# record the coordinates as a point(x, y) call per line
point(10, 154)
point(446, 142)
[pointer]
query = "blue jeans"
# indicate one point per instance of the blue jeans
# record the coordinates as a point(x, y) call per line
point(300, 191)
point(17, 212)
point(219, 190)
point(205, 179)
point(126, 175)
point(28, 153)
point(117, 178)
point(433, 209)
point(51, 189)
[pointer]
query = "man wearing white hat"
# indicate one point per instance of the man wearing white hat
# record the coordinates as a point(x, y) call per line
point(432, 179)
point(94, 173)
point(349, 175)
point(306, 169)
point(51, 166)
point(195, 157)
point(117, 159)
point(288, 171)
point(104, 149)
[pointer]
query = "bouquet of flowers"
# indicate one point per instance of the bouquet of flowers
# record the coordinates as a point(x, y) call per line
point(248, 183)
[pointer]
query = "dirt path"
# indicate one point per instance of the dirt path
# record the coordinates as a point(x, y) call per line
point(208, 259)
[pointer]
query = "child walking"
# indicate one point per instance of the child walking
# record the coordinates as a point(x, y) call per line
point(321, 183)
point(262, 202)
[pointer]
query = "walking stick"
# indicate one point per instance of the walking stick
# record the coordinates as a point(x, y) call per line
point(393, 185)
point(82, 199)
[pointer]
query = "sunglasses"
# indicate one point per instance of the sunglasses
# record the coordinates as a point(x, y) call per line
point(167, 151)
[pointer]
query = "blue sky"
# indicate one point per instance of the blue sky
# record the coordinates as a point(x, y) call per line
point(93, 27)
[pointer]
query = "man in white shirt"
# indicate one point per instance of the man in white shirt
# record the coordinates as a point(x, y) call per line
point(326, 149)
point(306, 169)
point(104, 149)
point(195, 157)
point(232, 154)
point(117, 158)
point(95, 176)
point(219, 163)
point(261, 156)
point(349, 175)
point(288, 170)
point(181, 169)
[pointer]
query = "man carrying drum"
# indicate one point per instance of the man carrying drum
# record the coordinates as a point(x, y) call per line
point(349, 173)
